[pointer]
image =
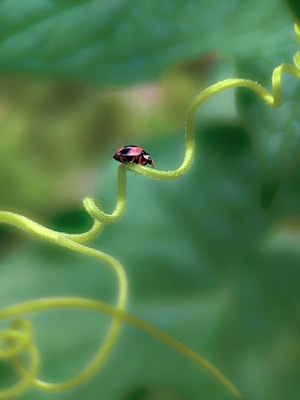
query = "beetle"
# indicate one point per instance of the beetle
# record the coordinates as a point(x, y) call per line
point(133, 154)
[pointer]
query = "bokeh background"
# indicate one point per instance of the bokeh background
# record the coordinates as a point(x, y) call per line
point(213, 258)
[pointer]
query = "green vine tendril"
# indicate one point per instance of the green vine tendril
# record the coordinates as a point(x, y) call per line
point(18, 339)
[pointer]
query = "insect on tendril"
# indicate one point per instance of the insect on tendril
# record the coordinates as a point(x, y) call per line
point(18, 339)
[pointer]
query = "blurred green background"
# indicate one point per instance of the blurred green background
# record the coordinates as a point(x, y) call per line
point(213, 258)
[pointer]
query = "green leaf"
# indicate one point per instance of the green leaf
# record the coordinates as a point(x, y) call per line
point(274, 133)
point(294, 7)
point(123, 42)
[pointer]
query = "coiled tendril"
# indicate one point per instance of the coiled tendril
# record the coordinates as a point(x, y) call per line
point(18, 339)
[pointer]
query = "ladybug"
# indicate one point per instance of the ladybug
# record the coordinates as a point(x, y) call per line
point(133, 154)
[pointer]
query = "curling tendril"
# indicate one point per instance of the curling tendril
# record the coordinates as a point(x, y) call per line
point(18, 339)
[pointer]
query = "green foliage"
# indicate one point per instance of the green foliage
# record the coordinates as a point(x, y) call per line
point(274, 133)
point(204, 261)
point(123, 42)
point(294, 7)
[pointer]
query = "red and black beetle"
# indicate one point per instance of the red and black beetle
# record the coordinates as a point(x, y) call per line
point(133, 154)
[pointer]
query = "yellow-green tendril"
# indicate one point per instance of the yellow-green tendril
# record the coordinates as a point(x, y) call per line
point(61, 239)
point(93, 305)
point(272, 99)
point(17, 341)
